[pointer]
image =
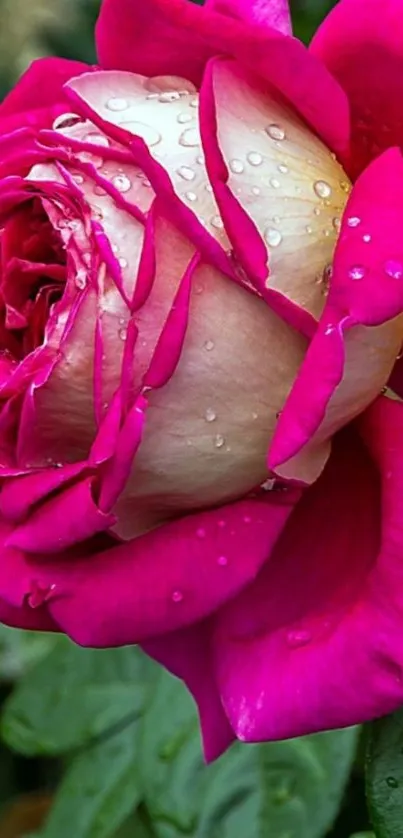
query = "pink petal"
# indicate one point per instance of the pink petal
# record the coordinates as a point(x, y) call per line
point(41, 86)
point(63, 521)
point(20, 494)
point(361, 44)
point(186, 653)
point(162, 581)
point(178, 37)
point(273, 14)
point(26, 618)
point(359, 336)
point(325, 615)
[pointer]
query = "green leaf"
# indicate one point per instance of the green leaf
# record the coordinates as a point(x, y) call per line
point(384, 775)
point(363, 835)
point(20, 650)
point(99, 790)
point(279, 790)
point(72, 696)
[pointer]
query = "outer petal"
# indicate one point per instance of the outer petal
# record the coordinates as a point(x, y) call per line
point(178, 37)
point(361, 42)
point(274, 14)
point(169, 578)
point(360, 333)
point(325, 615)
point(187, 655)
point(41, 86)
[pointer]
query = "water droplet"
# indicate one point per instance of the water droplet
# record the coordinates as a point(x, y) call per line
point(190, 137)
point(194, 102)
point(177, 596)
point(298, 638)
point(308, 229)
point(99, 190)
point(39, 594)
point(115, 103)
point(255, 190)
point(367, 238)
point(96, 139)
point(209, 345)
point(201, 532)
point(268, 484)
point(219, 441)
point(222, 524)
point(200, 160)
point(222, 561)
point(191, 196)
point(169, 96)
point(247, 519)
point(254, 158)
point(274, 183)
point(123, 262)
point(147, 133)
point(122, 334)
point(353, 221)
point(81, 279)
point(275, 132)
point(236, 166)
point(273, 237)
point(96, 212)
point(336, 223)
point(255, 415)
point(122, 183)
point(210, 415)
point(322, 189)
point(357, 272)
point(317, 211)
point(186, 173)
point(329, 329)
point(183, 118)
point(78, 178)
point(66, 120)
point(392, 782)
point(346, 187)
point(394, 269)
point(217, 222)
point(283, 169)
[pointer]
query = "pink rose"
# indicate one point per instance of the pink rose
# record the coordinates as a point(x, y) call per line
point(197, 322)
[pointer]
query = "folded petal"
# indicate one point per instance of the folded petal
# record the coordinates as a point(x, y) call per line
point(360, 332)
point(325, 615)
point(187, 654)
point(162, 581)
point(175, 37)
point(361, 42)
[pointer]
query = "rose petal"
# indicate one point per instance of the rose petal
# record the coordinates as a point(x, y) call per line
point(325, 615)
point(361, 44)
point(273, 14)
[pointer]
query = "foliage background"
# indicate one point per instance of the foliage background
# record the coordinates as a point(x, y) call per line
point(103, 744)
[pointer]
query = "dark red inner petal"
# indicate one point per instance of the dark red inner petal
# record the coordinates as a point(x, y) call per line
point(32, 278)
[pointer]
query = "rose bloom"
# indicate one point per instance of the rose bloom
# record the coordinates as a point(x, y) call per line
point(201, 308)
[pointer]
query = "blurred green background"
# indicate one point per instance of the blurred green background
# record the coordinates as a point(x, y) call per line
point(105, 744)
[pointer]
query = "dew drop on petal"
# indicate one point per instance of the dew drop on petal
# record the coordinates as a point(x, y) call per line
point(210, 415)
point(367, 238)
point(322, 189)
point(269, 484)
point(394, 269)
point(217, 222)
point(209, 345)
point(147, 133)
point(169, 96)
point(123, 334)
point(254, 158)
point(222, 561)
point(219, 441)
point(201, 532)
point(274, 183)
point(275, 132)
point(273, 237)
point(66, 120)
point(96, 139)
point(353, 221)
point(236, 166)
point(336, 223)
point(177, 596)
point(357, 272)
point(255, 190)
point(116, 103)
point(123, 262)
point(78, 178)
point(283, 169)
point(122, 183)
point(183, 118)
point(191, 196)
point(81, 279)
point(190, 137)
point(186, 173)
point(247, 519)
